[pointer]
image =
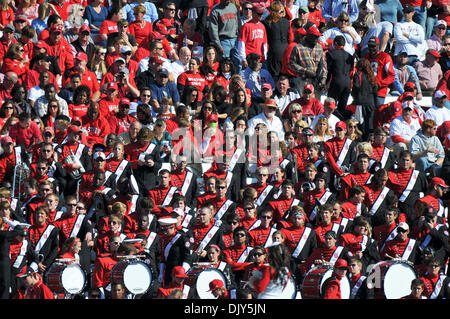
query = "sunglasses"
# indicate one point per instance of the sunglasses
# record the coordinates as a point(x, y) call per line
point(248, 208)
point(221, 187)
point(266, 217)
point(250, 9)
point(239, 235)
point(296, 111)
point(73, 205)
point(259, 254)
point(342, 20)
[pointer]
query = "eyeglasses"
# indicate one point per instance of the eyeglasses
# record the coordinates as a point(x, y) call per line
point(353, 126)
point(46, 189)
point(446, 44)
point(401, 230)
point(248, 208)
point(79, 207)
point(297, 111)
point(53, 105)
point(259, 254)
point(442, 28)
point(221, 187)
point(46, 151)
point(9, 108)
point(41, 168)
point(239, 235)
point(208, 108)
point(123, 26)
point(342, 20)
point(145, 95)
point(127, 53)
point(73, 205)
point(266, 217)
point(247, 8)
point(170, 9)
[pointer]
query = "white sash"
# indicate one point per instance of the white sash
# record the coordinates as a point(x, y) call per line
point(344, 152)
point(134, 199)
point(223, 209)
point(336, 254)
point(443, 211)
point(269, 239)
point(244, 255)
point(301, 242)
point(438, 287)
point(43, 238)
point(408, 249)
point(77, 226)
point(229, 177)
point(234, 159)
point(209, 235)
point(169, 196)
point(378, 201)
point(150, 239)
point(410, 186)
point(322, 200)
point(384, 157)
point(284, 163)
point(222, 265)
point(255, 225)
point(186, 183)
point(120, 169)
point(343, 223)
point(428, 238)
point(187, 219)
point(22, 254)
point(335, 228)
point(13, 203)
point(147, 151)
point(170, 244)
point(263, 195)
point(364, 242)
point(79, 150)
point(295, 202)
point(357, 286)
point(390, 237)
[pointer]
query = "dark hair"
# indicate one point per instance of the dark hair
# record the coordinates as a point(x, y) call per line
point(81, 89)
point(279, 258)
point(364, 66)
point(356, 190)
point(339, 40)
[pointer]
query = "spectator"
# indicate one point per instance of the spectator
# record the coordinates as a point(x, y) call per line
point(163, 87)
point(435, 41)
point(344, 29)
point(404, 127)
point(140, 28)
point(409, 36)
point(332, 9)
point(438, 112)
point(25, 132)
point(95, 13)
point(429, 72)
point(404, 74)
point(224, 32)
point(255, 76)
point(84, 42)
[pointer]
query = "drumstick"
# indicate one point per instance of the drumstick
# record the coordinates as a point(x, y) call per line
point(132, 256)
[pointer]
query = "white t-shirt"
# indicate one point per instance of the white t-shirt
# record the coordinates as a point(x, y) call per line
point(35, 92)
point(438, 114)
point(406, 130)
point(276, 125)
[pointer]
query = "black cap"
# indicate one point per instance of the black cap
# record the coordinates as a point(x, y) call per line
point(253, 56)
point(63, 117)
point(331, 233)
point(43, 56)
point(408, 8)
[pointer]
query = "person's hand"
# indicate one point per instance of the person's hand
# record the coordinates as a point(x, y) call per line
point(406, 35)
point(141, 162)
point(150, 163)
point(429, 224)
point(433, 150)
point(42, 267)
point(419, 97)
point(220, 49)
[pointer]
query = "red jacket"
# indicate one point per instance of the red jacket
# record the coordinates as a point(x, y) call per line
point(97, 129)
point(383, 67)
point(39, 291)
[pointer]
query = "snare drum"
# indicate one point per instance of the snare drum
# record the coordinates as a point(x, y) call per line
point(313, 283)
point(133, 274)
point(66, 278)
point(392, 279)
point(199, 279)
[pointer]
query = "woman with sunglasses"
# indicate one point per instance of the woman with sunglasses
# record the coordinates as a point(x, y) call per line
point(114, 227)
point(53, 110)
point(353, 131)
point(6, 112)
point(15, 60)
point(97, 63)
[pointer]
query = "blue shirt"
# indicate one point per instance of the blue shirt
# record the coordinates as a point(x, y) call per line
point(169, 90)
point(95, 18)
point(389, 9)
point(332, 8)
point(151, 13)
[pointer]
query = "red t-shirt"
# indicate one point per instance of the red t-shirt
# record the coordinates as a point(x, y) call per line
point(254, 37)
point(140, 33)
point(197, 80)
point(108, 27)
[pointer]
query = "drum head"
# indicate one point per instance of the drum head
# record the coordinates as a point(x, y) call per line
point(345, 284)
point(203, 280)
point(137, 278)
point(397, 281)
point(73, 279)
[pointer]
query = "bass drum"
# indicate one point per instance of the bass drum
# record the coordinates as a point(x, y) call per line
point(133, 274)
point(392, 279)
point(199, 279)
point(313, 283)
point(66, 278)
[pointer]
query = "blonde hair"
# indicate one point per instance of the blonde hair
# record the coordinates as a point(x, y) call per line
point(364, 147)
point(321, 120)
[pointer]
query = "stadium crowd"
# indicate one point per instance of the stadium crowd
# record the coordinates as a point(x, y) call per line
point(145, 144)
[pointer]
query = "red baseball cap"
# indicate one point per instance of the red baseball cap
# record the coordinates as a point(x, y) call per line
point(85, 27)
point(179, 271)
point(266, 86)
point(410, 85)
point(74, 129)
point(6, 140)
point(216, 283)
point(300, 31)
point(161, 28)
point(40, 44)
point(156, 36)
point(156, 60)
point(341, 125)
point(112, 86)
point(76, 119)
point(434, 53)
point(341, 263)
point(271, 102)
point(309, 86)
point(124, 101)
point(438, 181)
point(314, 31)
point(81, 56)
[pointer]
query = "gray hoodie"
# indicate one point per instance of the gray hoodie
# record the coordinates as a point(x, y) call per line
point(420, 142)
point(224, 22)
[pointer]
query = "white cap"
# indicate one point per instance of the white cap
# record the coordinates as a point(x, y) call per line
point(408, 104)
point(440, 94)
point(99, 154)
point(125, 48)
point(167, 221)
point(178, 211)
point(440, 22)
point(403, 225)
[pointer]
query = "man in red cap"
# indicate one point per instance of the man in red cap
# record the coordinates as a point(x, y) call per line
point(58, 47)
point(88, 77)
point(429, 71)
point(218, 289)
point(120, 121)
point(269, 118)
point(83, 43)
point(109, 104)
point(436, 189)
point(383, 68)
point(6, 40)
point(332, 286)
point(252, 38)
point(299, 34)
point(35, 287)
point(340, 151)
point(307, 60)
point(329, 107)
